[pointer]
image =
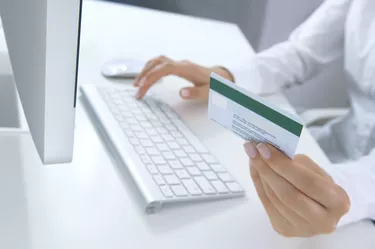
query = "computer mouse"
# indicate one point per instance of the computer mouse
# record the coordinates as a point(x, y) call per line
point(122, 68)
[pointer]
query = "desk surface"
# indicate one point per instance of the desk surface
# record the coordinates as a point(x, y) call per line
point(90, 203)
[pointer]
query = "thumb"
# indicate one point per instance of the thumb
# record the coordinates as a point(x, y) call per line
point(196, 92)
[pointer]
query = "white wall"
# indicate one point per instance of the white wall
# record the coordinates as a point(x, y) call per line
point(282, 17)
point(266, 22)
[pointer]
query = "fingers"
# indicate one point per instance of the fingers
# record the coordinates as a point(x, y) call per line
point(308, 216)
point(196, 92)
point(302, 159)
point(279, 223)
point(163, 66)
point(289, 195)
point(155, 74)
point(312, 184)
point(296, 220)
point(149, 66)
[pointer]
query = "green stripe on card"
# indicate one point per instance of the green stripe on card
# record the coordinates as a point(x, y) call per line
point(257, 107)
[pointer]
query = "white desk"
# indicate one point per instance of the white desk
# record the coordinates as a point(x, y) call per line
point(90, 204)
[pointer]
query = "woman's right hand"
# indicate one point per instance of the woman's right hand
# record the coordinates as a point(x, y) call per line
point(162, 66)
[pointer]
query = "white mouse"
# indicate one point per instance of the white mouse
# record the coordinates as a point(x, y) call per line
point(122, 68)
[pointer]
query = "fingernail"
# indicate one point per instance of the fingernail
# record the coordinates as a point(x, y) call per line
point(264, 151)
point(251, 150)
point(185, 93)
point(138, 95)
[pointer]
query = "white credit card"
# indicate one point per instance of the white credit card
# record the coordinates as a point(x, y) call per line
point(251, 117)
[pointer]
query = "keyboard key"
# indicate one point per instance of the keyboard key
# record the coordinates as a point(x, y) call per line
point(118, 109)
point(194, 141)
point(179, 190)
point(194, 171)
point(171, 127)
point(156, 123)
point(117, 101)
point(225, 177)
point(209, 158)
point(168, 155)
point(168, 137)
point(140, 150)
point(119, 117)
point(165, 169)
point(203, 166)
point(157, 139)
point(141, 118)
point(124, 126)
point(182, 141)
point(151, 132)
point(182, 174)
point(146, 143)
point(151, 117)
point(129, 133)
point(158, 160)
point(136, 111)
point(205, 185)
point(152, 151)
point(171, 179)
point(192, 187)
point(164, 119)
point(145, 159)
point(162, 130)
point(136, 128)
point(152, 169)
point(127, 114)
point(180, 153)
point(166, 191)
point(173, 145)
point(210, 175)
point(218, 168)
point(162, 147)
point(234, 187)
point(187, 161)
point(134, 141)
point(132, 106)
point(141, 135)
point(195, 157)
point(131, 121)
point(146, 125)
point(220, 187)
point(188, 149)
point(177, 134)
point(175, 164)
point(159, 113)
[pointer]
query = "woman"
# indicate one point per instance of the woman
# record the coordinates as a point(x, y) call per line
point(301, 198)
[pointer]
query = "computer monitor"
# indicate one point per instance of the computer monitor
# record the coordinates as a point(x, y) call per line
point(43, 44)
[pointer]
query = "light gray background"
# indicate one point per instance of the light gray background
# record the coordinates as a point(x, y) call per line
point(265, 23)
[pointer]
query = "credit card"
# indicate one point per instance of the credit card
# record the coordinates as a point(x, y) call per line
point(251, 117)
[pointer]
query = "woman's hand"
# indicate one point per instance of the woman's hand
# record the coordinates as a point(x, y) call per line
point(300, 198)
point(162, 66)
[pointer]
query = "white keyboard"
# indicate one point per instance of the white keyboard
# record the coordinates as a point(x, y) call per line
point(167, 161)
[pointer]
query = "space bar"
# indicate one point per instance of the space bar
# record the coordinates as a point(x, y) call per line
point(194, 141)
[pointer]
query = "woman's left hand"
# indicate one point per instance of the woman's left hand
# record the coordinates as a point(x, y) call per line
point(300, 198)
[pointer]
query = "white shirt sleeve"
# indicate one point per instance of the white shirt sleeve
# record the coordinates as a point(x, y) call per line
point(315, 43)
point(357, 178)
